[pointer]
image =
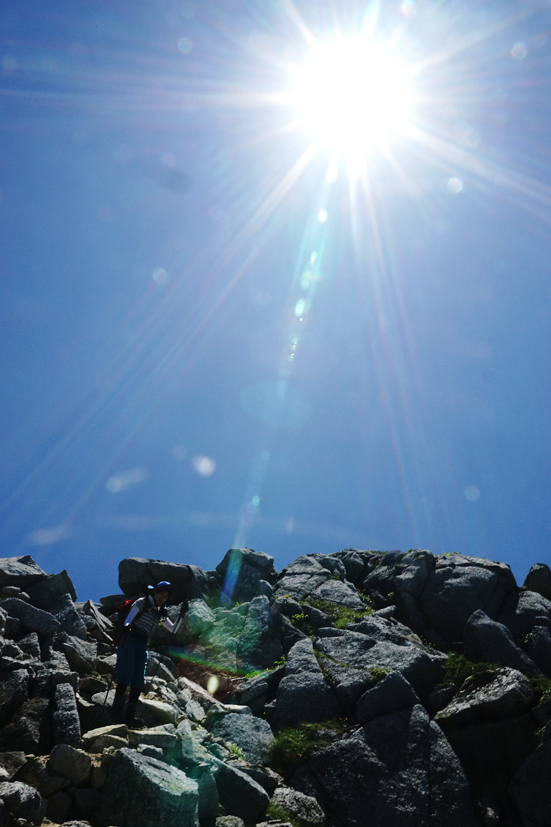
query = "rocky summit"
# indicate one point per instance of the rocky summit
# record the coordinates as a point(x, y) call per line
point(357, 689)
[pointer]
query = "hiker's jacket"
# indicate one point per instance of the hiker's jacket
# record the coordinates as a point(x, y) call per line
point(143, 617)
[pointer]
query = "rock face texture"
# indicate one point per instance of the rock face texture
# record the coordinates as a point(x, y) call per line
point(361, 688)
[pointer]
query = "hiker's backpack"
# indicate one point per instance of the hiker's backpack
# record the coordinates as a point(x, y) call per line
point(122, 613)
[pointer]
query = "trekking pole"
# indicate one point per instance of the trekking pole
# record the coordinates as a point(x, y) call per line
point(108, 689)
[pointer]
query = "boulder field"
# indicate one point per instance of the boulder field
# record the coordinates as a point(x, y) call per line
point(356, 689)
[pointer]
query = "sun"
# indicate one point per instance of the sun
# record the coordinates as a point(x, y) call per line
point(350, 96)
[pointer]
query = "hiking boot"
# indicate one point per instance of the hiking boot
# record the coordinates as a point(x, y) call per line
point(116, 709)
point(130, 717)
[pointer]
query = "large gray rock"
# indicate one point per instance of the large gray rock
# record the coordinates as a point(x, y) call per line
point(300, 578)
point(538, 647)
point(531, 790)
point(487, 641)
point(199, 618)
point(354, 563)
point(69, 619)
point(137, 573)
point(30, 729)
point(539, 580)
point(233, 821)
point(411, 576)
point(59, 807)
point(522, 611)
point(46, 592)
point(397, 770)
point(208, 792)
point(91, 610)
point(239, 794)
point(335, 591)
point(10, 763)
point(459, 586)
point(252, 735)
point(30, 645)
point(35, 773)
point(375, 643)
point(20, 571)
point(23, 801)
point(303, 694)
point(14, 690)
point(153, 738)
point(147, 792)
point(259, 645)
point(73, 764)
point(318, 577)
point(302, 808)
point(80, 654)
point(241, 571)
point(505, 693)
point(380, 572)
point(66, 718)
point(390, 694)
point(32, 619)
point(491, 752)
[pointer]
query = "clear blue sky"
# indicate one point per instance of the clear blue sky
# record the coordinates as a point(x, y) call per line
point(205, 342)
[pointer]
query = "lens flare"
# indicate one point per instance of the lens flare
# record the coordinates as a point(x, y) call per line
point(351, 95)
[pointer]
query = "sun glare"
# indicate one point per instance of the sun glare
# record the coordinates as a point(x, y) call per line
point(351, 96)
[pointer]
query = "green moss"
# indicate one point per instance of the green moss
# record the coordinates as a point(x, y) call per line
point(294, 746)
point(340, 615)
point(278, 813)
point(458, 669)
point(376, 673)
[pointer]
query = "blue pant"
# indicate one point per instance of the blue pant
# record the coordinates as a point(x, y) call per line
point(131, 661)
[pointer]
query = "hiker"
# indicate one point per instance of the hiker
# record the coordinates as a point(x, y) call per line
point(144, 615)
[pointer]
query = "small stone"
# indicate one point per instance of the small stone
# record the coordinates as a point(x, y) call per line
point(163, 712)
point(58, 807)
point(10, 591)
point(10, 763)
point(105, 741)
point(23, 801)
point(161, 739)
point(303, 808)
point(90, 685)
point(121, 730)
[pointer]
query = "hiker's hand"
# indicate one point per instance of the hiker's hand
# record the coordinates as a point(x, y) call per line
point(183, 608)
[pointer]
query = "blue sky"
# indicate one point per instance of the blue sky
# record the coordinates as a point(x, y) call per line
point(214, 331)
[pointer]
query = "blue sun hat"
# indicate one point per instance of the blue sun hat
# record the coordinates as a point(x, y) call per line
point(163, 586)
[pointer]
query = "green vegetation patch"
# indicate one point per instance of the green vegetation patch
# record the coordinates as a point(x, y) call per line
point(233, 748)
point(458, 669)
point(279, 813)
point(340, 615)
point(376, 673)
point(541, 686)
point(303, 624)
point(294, 746)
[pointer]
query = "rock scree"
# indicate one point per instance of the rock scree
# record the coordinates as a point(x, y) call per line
point(355, 689)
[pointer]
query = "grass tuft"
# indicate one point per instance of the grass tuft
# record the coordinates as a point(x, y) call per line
point(541, 686)
point(340, 615)
point(234, 749)
point(293, 746)
point(278, 813)
point(458, 669)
